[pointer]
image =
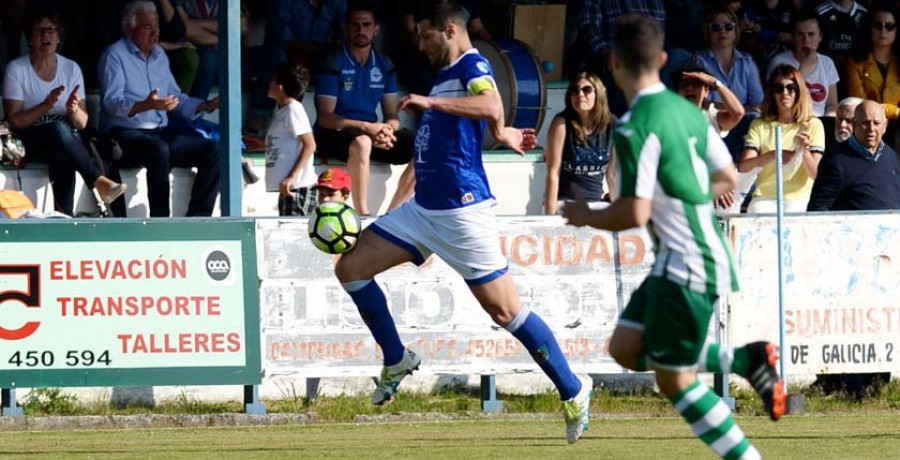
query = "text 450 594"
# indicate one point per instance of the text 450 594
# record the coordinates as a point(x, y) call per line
point(73, 358)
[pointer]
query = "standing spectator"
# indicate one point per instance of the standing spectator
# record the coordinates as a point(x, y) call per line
point(842, 20)
point(183, 58)
point(862, 173)
point(350, 85)
point(333, 185)
point(290, 144)
point(596, 39)
point(818, 70)
point(43, 96)
point(873, 73)
point(139, 91)
point(766, 27)
point(734, 68)
point(579, 145)
point(787, 105)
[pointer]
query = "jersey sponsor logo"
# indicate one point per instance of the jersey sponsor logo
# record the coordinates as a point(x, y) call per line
point(348, 84)
point(422, 138)
point(375, 75)
point(483, 67)
point(467, 198)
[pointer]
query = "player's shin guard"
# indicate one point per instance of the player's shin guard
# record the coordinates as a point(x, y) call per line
point(723, 359)
point(373, 308)
point(537, 338)
point(711, 421)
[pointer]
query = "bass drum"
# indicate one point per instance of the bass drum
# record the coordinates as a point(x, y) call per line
point(520, 83)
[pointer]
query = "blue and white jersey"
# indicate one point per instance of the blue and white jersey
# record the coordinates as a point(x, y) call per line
point(449, 171)
point(357, 88)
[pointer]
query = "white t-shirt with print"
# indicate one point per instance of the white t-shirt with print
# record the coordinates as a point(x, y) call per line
point(822, 77)
point(21, 83)
point(283, 146)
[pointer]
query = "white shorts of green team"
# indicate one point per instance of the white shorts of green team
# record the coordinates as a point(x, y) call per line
point(467, 239)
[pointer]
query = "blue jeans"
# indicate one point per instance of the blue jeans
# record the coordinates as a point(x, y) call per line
point(158, 150)
point(207, 71)
point(59, 146)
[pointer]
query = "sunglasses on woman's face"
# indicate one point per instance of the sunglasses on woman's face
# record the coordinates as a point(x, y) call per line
point(778, 88)
point(587, 90)
point(717, 27)
point(886, 26)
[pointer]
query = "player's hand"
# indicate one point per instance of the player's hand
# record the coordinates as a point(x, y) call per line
point(577, 212)
point(54, 96)
point(73, 100)
point(517, 140)
point(414, 102)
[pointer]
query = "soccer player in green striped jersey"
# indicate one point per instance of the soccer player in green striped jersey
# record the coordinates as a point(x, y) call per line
point(671, 164)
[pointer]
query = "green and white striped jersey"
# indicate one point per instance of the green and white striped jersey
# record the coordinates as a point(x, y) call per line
point(665, 150)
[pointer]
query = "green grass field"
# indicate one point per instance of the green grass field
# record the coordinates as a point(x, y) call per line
point(804, 437)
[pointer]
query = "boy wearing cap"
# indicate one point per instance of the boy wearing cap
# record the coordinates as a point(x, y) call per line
point(290, 144)
point(333, 185)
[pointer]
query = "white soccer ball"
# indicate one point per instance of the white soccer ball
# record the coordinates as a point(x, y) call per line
point(334, 227)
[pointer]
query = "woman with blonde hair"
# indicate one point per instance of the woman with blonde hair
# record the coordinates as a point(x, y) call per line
point(787, 103)
point(579, 145)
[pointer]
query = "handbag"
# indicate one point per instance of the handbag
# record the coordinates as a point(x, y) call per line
point(13, 152)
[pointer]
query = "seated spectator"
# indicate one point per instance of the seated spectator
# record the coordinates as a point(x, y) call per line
point(818, 70)
point(43, 96)
point(290, 144)
point(139, 91)
point(766, 27)
point(734, 68)
point(349, 87)
point(787, 104)
point(298, 31)
point(843, 21)
point(873, 73)
point(201, 21)
point(173, 38)
point(333, 185)
point(862, 173)
point(695, 84)
point(579, 145)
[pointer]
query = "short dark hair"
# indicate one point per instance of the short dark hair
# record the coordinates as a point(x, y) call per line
point(294, 78)
point(33, 16)
point(441, 13)
point(360, 6)
point(639, 43)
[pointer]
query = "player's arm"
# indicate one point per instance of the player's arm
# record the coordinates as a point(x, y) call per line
point(723, 175)
point(406, 186)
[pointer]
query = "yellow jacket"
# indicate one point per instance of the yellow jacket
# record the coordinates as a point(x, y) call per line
point(864, 80)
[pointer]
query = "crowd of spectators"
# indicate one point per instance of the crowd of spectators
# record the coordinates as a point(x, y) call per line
point(755, 65)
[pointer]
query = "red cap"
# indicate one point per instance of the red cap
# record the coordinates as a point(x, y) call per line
point(334, 178)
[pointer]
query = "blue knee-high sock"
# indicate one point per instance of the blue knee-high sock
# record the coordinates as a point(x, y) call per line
point(373, 308)
point(538, 339)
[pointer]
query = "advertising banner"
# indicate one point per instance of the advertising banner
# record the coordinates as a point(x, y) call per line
point(132, 303)
point(577, 279)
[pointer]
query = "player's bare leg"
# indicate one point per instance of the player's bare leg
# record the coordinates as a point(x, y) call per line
point(356, 271)
point(501, 301)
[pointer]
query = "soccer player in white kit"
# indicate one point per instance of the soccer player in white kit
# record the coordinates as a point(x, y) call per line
point(452, 215)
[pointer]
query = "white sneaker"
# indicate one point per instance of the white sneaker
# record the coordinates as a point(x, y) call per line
point(391, 376)
point(577, 411)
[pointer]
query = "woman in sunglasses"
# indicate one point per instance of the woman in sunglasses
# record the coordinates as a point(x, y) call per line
point(724, 61)
point(579, 145)
point(787, 104)
point(818, 70)
point(43, 95)
point(873, 73)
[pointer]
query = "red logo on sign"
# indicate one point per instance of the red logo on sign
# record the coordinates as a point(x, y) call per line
point(31, 298)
